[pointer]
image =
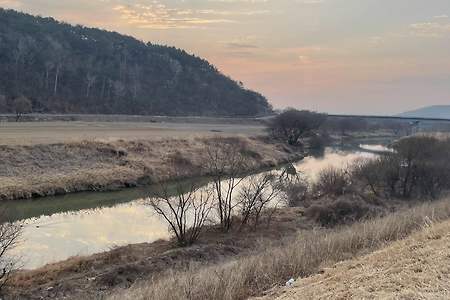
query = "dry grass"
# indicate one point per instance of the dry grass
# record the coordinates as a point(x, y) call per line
point(415, 268)
point(301, 257)
point(151, 128)
point(122, 266)
point(43, 170)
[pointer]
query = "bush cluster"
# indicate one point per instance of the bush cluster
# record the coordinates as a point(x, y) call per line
point(418, 168)
point(340, 211)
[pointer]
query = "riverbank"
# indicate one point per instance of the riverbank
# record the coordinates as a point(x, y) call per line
point(151, 267)
point(31, 171)
point(119, 268)
point(307, 254)
point(90, 277)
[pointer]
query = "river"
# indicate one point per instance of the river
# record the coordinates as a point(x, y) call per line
point(56, 228)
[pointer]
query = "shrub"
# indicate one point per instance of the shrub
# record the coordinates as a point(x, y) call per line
point(22, 105)
point(331, 182)
point(297, 193)
point(341, 211)
point(419, 167)
point(318, 142)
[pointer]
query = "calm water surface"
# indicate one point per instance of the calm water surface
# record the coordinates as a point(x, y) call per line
point(56, 228)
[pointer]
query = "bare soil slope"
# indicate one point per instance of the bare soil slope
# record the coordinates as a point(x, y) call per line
point(415, 268)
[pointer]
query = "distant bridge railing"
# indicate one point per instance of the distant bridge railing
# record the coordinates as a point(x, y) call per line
point(391, 118)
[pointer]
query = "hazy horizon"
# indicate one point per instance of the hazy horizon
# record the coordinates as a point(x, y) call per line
point(336, 56)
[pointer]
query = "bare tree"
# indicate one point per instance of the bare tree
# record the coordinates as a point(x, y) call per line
point(22, 105)
point(292, 124)
point(3, 104)
point(90, 80)
point(367, 171)
point(186, 213)
point(136, 78)
point(331, 181)
point(57, 74)
point(22, 51)
point(256, 196)
point(225, 163)
point(57, 62)
point(9, 238)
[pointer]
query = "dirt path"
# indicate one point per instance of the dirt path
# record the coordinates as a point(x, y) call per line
point(415, 268)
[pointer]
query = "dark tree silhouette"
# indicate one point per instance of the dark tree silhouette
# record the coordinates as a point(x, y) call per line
point(22, 105)
point(293, 124)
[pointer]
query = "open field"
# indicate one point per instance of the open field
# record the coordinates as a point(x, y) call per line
point(29, 133)
point(415, 268)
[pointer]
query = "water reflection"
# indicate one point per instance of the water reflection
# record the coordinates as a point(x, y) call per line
point(376, 148)
point(85, 223)
point(311, 166)
point(53, 238)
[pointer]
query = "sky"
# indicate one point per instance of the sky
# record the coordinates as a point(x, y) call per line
point(335, 56)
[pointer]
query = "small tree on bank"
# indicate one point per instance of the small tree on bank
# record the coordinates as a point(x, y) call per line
point(9, 238)
point(22, 105)
point(224, 164)
point(256, 197)
point(186, 213)
point(293, 124)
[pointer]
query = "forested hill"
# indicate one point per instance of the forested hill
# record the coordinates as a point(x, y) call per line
point(74, 69)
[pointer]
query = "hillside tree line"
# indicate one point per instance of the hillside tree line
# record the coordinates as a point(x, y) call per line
point(73, 69)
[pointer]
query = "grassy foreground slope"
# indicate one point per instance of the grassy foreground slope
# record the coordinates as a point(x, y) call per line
point(415, 268)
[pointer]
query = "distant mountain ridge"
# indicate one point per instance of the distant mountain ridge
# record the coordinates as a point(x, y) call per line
point(74, 69)
point(434, 111)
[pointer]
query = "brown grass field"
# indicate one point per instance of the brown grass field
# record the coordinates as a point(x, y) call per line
point(28, 171)
point(31, 133)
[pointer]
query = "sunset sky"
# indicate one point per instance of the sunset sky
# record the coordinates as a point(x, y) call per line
point(338, 56)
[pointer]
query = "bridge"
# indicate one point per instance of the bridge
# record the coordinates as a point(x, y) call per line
point(414, 119)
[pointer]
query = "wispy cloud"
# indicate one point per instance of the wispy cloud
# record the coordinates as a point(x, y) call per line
point(158, 16)
point(430, 29)
point(10, 3)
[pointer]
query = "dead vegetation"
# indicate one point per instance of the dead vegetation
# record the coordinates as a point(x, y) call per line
point(44, 170)
point(10, 234)
point(102, 273)
point(298, 257)
point(186, 213)
point(415, 268)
